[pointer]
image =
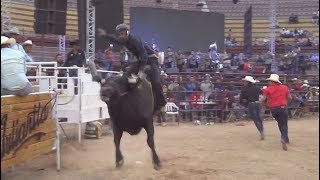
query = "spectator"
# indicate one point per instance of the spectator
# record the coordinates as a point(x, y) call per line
point(168, 57)
point(180, 60)
point(27, 46)
point(14, 33)
point(219, 84)
point(229, 35)
point(206, 86)
point(163, 78)
point(109, 57)
point(225, 102)
point(13, 70)
point(76, 56)
point(192, 85)
point(125, 55)
point(99, 59)
point(192, 60)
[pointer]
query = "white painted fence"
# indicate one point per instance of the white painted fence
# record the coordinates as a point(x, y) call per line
point(78, 99)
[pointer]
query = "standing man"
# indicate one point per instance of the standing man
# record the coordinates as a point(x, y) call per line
point(109, 56)
point(277, 96)
point(76, 56)
point(249, 98)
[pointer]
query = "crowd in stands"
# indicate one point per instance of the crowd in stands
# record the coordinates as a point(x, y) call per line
point(190, 92)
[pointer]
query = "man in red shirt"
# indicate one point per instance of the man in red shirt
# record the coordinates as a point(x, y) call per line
point(277, 96)
point(109, 56)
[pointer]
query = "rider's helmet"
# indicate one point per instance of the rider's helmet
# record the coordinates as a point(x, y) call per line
point(122, 27)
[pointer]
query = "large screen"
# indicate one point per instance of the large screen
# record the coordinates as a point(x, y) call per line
point(182, 30)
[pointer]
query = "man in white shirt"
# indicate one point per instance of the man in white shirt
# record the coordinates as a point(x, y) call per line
point(13, 70)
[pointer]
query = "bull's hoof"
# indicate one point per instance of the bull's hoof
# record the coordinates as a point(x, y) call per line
point(119, 163)
point(157, 166)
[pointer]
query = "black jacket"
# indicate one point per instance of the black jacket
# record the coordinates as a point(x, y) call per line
point(134, 45)
point(249, 93)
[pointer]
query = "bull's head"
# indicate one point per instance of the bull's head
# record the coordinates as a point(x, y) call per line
point(110, 89)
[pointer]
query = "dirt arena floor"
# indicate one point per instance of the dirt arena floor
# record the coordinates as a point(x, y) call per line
point(188, 152)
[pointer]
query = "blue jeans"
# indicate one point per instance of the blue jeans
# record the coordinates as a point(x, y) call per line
point(22, 92)
point(281, 116)
point(109, 65)
point(254, 114)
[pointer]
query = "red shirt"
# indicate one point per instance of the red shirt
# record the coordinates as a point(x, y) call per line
point(277, 95)
point(109, 55)
point(298, 86)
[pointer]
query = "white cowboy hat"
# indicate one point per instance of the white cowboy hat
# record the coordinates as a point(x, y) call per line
point(249, 79)
point(27, 42)
point(274, 78)
point(306, 82)
point(294, 79)
point(207, 75)
point(14, 30)
point(6, 40)
point(162, 73)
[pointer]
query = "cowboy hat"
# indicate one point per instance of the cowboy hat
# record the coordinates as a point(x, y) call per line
point(162, 73)
point(305, 85)
point(274, 78)
point(6, 40)
point(294, 79)
point(249, 79)
point(27, 42)
point(14, 30)
point(207, 75)
point(306, 82)
point(74, 42)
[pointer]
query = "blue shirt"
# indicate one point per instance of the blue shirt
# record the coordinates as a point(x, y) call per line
point(18, 47)
point(13, 70)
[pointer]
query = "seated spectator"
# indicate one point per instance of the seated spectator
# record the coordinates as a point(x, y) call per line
point(219, 85)
point(13, 70)
point(266, 40)
point(293, 19)
point(27, 46)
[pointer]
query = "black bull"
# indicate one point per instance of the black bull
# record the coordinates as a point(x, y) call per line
point(129, 111)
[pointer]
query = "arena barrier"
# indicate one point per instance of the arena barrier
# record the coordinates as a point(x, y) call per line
point(28, 128)
point(78, 99)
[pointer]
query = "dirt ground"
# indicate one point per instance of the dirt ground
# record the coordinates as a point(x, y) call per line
point(217, 152)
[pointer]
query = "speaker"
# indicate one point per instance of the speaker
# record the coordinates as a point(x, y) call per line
point(50, 17)
point(108, 15)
